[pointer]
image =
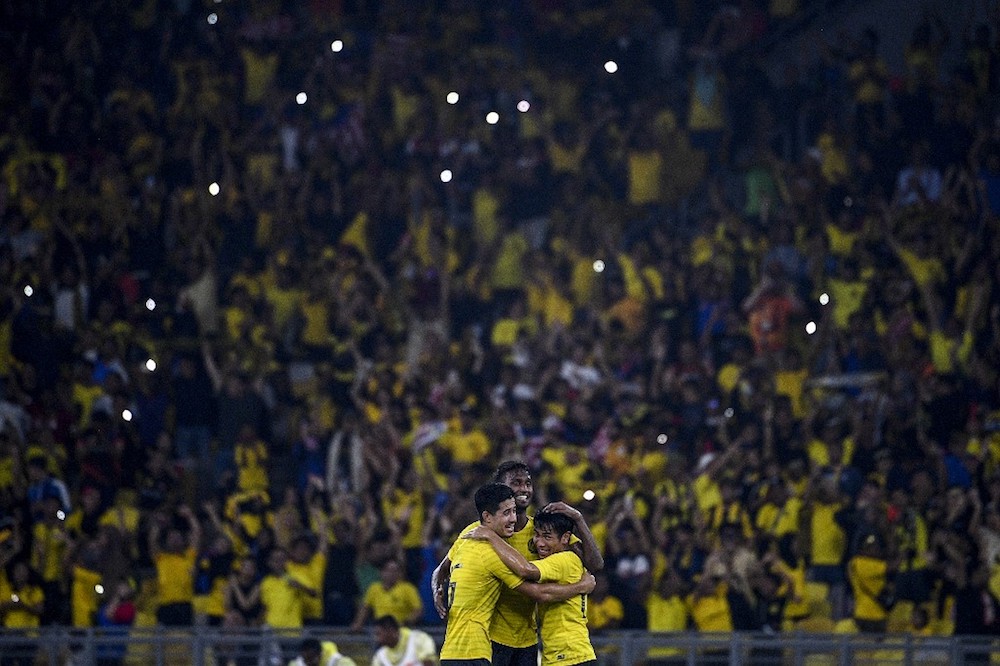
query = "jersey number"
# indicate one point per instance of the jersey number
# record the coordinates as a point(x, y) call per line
point(451, 594)
point(583, 605)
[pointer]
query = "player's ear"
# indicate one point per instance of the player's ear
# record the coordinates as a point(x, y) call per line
point(564, 538)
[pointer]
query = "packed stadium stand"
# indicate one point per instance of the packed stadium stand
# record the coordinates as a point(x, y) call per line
point(283, 282)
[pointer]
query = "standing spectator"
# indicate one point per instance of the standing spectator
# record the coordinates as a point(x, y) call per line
point(868, 573)
point(21, 606)
point(193, 403)
point(666, 613)
point(174, 560)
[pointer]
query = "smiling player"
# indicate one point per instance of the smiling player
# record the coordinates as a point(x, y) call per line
point(565, 638)
point(513, 630)
point(477, 578)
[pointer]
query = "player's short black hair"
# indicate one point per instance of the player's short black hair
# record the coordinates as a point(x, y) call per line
point(387, 622)
point(310, 645)
point(508, 467)
point(490, 496)
point(559, 523)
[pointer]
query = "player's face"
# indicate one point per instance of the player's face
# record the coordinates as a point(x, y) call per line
point(548, 542)
point(503, 521)
point(520, 482)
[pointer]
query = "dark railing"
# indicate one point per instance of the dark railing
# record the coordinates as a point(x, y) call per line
point(204, 646)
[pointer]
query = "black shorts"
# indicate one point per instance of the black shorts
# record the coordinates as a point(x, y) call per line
point(179, 614)
point(464, 662)
point(504, 655)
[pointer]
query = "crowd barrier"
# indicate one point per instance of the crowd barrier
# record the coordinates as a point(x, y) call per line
point(206, 646)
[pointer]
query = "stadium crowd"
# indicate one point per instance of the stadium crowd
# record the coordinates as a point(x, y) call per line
point(276, 298)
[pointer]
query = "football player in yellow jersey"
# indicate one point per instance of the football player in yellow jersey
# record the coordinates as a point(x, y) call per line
point(565, 637)
point(478, 575)
point(512, 629)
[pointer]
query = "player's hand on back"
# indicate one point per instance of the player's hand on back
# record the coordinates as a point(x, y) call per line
point(564, 509)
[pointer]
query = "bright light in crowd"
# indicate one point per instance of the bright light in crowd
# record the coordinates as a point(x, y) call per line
point(661, 438)
point(15, 598)
point(99, 588)
point(213, 18)
point(150, 364)
point(824, 298)
point(60, 514)
point(492, 117)
point(337, 46)
point(598, 266)
point(150, 304)
point(589, 495)
point(452, 97)
point(523, 106)
point(729, 412)
point(127, 414)
point(446, 176)
point(811, 327)
point(213, 189)
point(28, 291)
point(301, 98)
point(611, 67)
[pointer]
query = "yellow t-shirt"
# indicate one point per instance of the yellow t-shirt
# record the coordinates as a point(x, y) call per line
point(310, 574)
point(711, 612)
point(259, 70)
point(315, 330)
point(645, 171)
point(282, 603)
point(251, 471)
point(400, 601)
point(565, 639)
point(828, 539)
point(819, 452)
point(665, 615)
point(48, 561)
point(602, 613)
point(175, 576)
point(83, 597)
point(846, 298)
point(867, 578)
point(779, 520)
point(395, 506)
point(923, 270)
point(467, 448)
point(943, 348)
point(791, 383)
point(84, 397)
point(477, 576)
point(20, 617)
point(706, 493)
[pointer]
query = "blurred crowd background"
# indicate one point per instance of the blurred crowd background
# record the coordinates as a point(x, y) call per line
point(276, 298)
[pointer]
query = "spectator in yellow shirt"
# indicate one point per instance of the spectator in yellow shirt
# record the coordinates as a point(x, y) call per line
point(868, 573)
point(604, 610)
point(174, 560)
point(24, 601)
point(391, 595)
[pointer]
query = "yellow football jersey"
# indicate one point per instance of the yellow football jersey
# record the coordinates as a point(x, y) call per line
point(565, 638)
point(477, 577)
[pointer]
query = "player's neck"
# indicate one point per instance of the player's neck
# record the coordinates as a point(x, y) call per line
point(522, 520)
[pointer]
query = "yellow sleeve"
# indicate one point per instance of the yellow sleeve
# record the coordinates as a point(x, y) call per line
point(495, 566)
